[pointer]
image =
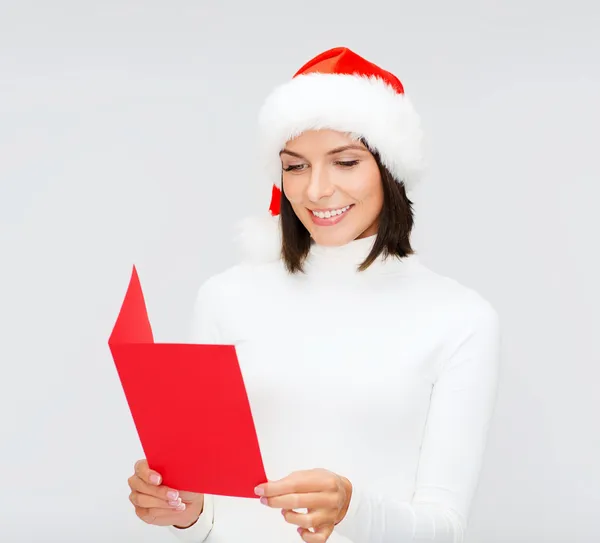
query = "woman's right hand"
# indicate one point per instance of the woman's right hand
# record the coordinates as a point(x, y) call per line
point(160, 505)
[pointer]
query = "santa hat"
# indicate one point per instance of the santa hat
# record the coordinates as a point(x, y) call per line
point(337, 90)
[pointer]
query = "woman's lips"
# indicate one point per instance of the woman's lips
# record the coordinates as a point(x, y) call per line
point(330, 221)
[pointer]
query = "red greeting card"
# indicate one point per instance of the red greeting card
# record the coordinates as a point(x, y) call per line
point(189, 405)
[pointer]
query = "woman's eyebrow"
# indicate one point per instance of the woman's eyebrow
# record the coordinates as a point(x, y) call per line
point(345, 148)
point(331, 152)
point(288, 152)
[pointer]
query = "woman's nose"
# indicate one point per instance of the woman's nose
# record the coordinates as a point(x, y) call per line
point(319, 186)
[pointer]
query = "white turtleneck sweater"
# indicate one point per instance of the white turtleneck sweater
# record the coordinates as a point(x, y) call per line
point(387, 377)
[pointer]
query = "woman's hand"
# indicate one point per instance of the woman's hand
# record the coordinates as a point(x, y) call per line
point(324, 494)
point(157, 504)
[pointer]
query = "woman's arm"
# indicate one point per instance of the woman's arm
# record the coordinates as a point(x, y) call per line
point(462, 405)
point(204, 329)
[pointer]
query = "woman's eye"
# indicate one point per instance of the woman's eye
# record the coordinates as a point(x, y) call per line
point(293, 167)
point(347, 163)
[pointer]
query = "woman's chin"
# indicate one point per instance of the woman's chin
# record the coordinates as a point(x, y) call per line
point(329, 238)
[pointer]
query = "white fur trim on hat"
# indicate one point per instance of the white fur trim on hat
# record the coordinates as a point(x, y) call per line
point(363, 106)
point(258, 238)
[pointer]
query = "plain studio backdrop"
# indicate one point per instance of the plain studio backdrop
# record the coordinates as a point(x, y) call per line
point(127, 137)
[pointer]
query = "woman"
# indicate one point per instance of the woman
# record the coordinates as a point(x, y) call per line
point(372, 379)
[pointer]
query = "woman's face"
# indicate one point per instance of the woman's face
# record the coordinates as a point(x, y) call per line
point(334, 186)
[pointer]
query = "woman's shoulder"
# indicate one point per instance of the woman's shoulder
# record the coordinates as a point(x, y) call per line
point(238, 278)
point(453, 297)
point(232, 299)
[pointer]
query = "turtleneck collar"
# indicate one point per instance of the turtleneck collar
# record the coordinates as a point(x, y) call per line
point(344, 259)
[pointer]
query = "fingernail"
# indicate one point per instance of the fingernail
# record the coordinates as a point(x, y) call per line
point(172, 495)
point(259, 491)
point(264, 501)
point(175, 503)
point(181, 507)
point(155, 478)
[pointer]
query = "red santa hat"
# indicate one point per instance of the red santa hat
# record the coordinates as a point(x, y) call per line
point(337, 90)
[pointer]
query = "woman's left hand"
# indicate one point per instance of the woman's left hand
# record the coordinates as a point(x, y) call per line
point(324, 494)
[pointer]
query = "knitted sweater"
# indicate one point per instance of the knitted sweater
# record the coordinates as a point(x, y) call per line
point(387, 377)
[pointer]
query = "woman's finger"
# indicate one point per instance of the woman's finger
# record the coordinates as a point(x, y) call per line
point(162, 492)
point(158, 517)
point(190, 497)
point(320, 535)
point(308, 500)
point(311, 519)
point(301, 481)
point(143, 471)
point(148, 502)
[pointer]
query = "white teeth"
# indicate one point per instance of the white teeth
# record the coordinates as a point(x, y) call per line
point(329, 214)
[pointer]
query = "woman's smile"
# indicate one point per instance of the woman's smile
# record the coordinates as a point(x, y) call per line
point(329, 217)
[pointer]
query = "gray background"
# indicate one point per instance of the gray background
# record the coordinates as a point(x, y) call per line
point(126, 136)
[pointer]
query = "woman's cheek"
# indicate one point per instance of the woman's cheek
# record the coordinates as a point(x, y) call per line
point(293, 191)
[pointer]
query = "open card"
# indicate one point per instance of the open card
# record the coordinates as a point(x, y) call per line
point(189, 405)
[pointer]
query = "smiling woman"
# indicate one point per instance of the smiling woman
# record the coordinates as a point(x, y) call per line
point(324, 176)
point(335, 190)
point(371, 378)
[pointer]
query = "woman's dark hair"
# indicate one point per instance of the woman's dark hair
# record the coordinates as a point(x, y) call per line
point(396, 221)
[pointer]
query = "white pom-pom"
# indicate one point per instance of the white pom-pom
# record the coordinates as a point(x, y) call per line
point(259, 238)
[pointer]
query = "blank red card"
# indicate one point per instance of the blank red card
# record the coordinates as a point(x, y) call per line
point(189, 405)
